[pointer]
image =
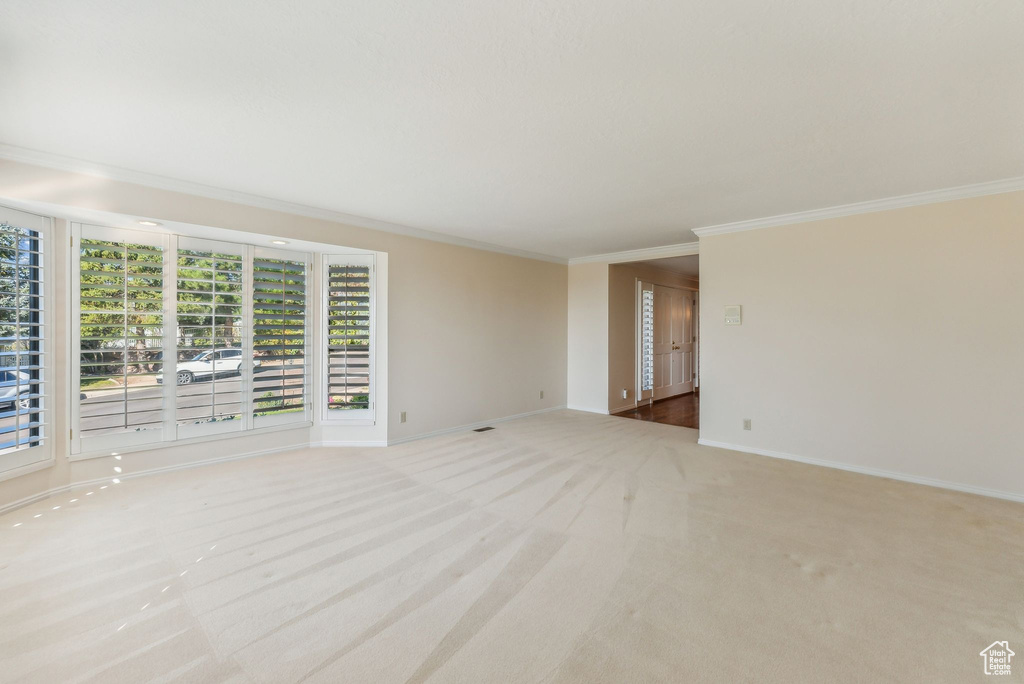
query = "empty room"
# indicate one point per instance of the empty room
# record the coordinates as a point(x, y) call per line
point(556, 342)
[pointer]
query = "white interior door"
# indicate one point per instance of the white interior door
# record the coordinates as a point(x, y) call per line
point(673, 341)
point(687, 340)
point(696, 341)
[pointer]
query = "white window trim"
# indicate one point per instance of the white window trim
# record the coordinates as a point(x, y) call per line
point(361, 416)
point(23, 461)
point(170, 434)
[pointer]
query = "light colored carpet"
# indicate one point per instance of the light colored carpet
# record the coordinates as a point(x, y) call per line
point(565, 547)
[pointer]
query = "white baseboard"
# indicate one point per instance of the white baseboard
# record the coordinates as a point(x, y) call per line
point(39, 496)
point(377, 443)
point(472, 426)
point(602, 412)
point(877, 472)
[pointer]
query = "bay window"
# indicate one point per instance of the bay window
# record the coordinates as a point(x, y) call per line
point(181, 337)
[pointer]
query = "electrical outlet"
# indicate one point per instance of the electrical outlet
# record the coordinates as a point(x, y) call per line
point(746, 423)
point(542, 394)
point(625, 394)
point(402, 418)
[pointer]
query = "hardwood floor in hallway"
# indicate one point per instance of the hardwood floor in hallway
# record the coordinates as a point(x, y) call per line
point(683, 411)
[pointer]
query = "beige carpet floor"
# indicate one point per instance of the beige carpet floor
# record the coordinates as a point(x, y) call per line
point(564, 547)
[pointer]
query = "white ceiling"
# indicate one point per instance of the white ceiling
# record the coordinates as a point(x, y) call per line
point(563, 127)
point(684, 265)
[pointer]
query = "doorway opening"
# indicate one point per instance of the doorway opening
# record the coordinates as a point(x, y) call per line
point(654, 314)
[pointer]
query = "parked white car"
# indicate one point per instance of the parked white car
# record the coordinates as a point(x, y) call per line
point(209, 364)
point(14, 389)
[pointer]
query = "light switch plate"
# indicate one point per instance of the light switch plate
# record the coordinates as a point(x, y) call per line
point(733, 314)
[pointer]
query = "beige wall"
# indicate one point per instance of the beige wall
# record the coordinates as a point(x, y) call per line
point(588, 337)
point(472, 335)
point(887, 342)
point(622, 361)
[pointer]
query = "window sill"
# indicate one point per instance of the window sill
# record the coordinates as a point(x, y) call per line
point(18, 471)
point(159, 446)
point(345, 422)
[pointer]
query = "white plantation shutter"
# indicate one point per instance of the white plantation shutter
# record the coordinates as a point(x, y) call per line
point(645, 341)
point(120, 283)
point(23, 339)
point(212, 367)
point(280, 339)
point(349, 326)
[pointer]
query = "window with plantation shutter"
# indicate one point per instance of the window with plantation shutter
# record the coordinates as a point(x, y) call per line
point(23, 336)
point(647, 340)
point(185, 338)
point(349, 326)
point(280, 325)
point(121, 327)
point(211, 367)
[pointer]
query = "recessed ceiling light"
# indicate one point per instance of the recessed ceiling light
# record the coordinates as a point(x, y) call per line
point(279, 242)
point(149, 223)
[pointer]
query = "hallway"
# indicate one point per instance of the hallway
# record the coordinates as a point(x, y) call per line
point(683, 411)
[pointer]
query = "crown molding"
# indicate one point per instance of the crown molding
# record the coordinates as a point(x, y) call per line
point(62, 163)
point(682, 249)
point(899, 202)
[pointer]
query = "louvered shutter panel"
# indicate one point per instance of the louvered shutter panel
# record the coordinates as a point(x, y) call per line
point(647, 340)
point(349, 341)
point(280, 338)
point(23, 417)
point(211, 361)
point(121, 320)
